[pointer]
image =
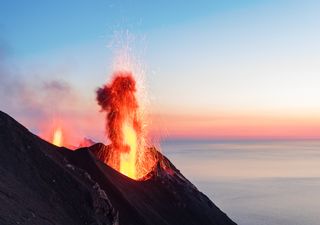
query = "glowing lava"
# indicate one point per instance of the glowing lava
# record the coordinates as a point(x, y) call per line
point(128, 160)
point(57, 138)
point(124, 126)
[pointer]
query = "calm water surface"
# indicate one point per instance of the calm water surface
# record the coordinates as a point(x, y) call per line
point(255, 182)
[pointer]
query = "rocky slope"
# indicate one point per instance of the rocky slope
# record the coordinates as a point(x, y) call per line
point(43, 184)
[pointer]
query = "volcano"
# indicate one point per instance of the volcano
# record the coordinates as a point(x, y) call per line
point(42, 184)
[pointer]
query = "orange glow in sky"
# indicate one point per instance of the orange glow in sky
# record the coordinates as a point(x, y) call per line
point(237, 126)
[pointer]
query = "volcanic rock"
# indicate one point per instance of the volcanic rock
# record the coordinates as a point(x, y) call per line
point(43, 184)
point(38, 186)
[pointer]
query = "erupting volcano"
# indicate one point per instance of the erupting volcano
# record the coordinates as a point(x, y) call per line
point(124, 183)
point(125, 126)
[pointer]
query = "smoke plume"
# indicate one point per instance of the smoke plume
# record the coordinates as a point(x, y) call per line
point(119, 101)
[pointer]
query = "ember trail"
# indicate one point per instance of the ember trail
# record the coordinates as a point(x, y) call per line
point(124, 126)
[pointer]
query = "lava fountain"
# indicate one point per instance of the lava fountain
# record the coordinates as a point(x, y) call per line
point(129, 154)
point(57, 138)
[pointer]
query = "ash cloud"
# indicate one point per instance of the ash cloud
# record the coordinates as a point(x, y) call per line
point(57, 92)
point(31, 96)
point(40, 98)
point(57, 86)
point(118, 100)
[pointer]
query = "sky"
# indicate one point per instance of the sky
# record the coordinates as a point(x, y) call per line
point(211, 69)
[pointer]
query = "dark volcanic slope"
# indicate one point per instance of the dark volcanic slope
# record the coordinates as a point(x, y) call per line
point(167, 198)
point(42, 184)
point(39, 187)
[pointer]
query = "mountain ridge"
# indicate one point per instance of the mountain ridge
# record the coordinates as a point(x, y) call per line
point(44, 184)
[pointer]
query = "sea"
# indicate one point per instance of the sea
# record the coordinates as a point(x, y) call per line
point(254, 182)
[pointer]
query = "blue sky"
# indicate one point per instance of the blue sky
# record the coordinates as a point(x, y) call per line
point(205, 58)
point(40, 26)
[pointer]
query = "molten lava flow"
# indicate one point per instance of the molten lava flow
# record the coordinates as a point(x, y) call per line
point(57, 138)
point(128, 160)
point(124, 125)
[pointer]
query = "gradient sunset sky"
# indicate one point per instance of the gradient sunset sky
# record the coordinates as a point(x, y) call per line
point(213, 69)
